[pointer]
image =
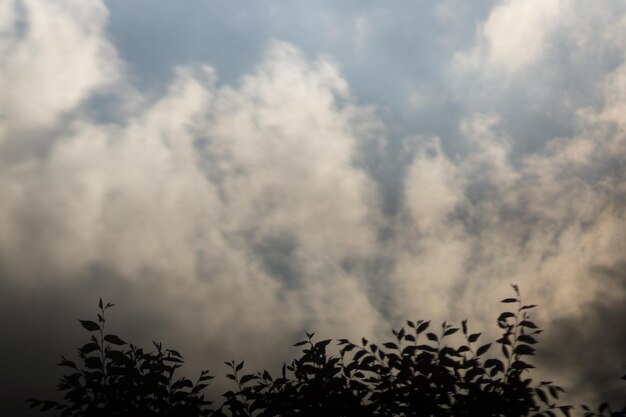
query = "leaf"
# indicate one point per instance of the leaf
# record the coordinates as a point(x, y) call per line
point(323, 343)
point(483, 349)
point(300, 343)
point(464, 325)
point(504, 340)
point(565, 410)
point(117, 356)
point(473, 337)
point(432, 336)
point(528, 323)
point(199, 388)
point(113, 339)
point(541, 395)
point(505, 315)
point(401, 334)
point(176, 353)
point(521, 365)
point(93, 362)
point(451, 331)
point(526, 339)
point(463, 349)
point(181, 383)
point(524, 350)
point(528, 307)
point(239, 367)
point(247, 378)
point(89, 347)
point(390, 345)
point(90, 325)
point(422, 327)
point(515, 288)
point(510, 300)
point(358, 355)
point(100, 303)
point(67, 363)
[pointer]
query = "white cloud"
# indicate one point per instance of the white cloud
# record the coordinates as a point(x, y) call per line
point(197, 194)
point(52, 55)
point(515, 35)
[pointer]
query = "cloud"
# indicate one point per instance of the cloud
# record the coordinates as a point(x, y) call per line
point(515, 35)
point(54, 54)
point(191, 201)
point(589, 347)
point(228, 217)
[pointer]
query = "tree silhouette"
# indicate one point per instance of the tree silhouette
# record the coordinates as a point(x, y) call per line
point(424, 371)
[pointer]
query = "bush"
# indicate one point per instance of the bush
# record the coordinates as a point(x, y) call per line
point(422, 372)
point(119, 379)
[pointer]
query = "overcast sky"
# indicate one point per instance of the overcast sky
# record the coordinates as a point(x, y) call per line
point(231, 174)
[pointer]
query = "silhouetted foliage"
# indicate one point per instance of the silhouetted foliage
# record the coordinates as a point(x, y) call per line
point(114, 378)
point(425, 371)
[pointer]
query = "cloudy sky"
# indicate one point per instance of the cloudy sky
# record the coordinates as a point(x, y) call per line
point(232, 174)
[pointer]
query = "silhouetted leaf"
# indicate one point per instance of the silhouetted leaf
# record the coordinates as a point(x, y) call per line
point(521, 365)
point(474, 337)
point(542, 395)
point(89, 347)
point(504, 340)
point(483, 349)
point(432, 336)
point(526, 339)
point(247, 378)
point(450, 331)
point(510, 300)
point(93, 362)
point(422, 327)
point(505, 315)
point(524, 350)
point(527, 323)
point(565, 409)
point(323, 343)
point(113, 339)
point(89, 325)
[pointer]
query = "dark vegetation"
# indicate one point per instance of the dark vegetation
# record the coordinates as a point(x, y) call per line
point(424, 371)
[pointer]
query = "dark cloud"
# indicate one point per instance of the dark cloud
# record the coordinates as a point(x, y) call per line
point(590, 347)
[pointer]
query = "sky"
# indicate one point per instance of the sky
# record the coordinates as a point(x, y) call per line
point(233, 174)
